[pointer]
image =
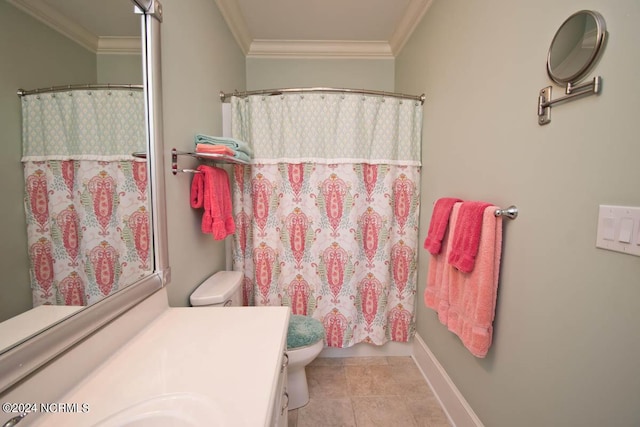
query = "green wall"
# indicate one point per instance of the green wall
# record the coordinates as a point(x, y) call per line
point(566, 342)
point(199, 59)
point(119, 69)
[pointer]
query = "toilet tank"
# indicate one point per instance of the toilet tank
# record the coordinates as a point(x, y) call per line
point(222, 289)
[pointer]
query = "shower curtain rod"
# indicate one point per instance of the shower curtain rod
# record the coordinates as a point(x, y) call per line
point(22, 92)
point(270, 92)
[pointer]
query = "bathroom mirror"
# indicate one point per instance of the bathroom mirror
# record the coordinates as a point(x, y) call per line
point(125, 41)
point(576, 47)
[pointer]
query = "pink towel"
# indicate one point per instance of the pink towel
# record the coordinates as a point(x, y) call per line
point(466, 302)
point(467, 236)
point(438, 224)
point(472, 296)
point(436, 294)
point(210, 190)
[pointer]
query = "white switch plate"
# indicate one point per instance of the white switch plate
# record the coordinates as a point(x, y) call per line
point(619, 229)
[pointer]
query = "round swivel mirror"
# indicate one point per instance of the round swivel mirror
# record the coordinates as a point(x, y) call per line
point(576, 47)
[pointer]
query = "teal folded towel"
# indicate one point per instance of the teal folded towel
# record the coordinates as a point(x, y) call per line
point(234, 144)
point(242, 156)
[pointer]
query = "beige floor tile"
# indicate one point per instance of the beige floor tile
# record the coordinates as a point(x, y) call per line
point(366, 392)
point(327, 412)
point(292, 420)
point(370, 380)
point(363, 361)
point(383, 411)
point(328, 361)
point(409, 380)
point(427, 411)
point(326, 381)
point(400, 360)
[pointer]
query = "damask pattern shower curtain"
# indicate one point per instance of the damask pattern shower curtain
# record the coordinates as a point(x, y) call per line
point(327, 214)
point(86, 198)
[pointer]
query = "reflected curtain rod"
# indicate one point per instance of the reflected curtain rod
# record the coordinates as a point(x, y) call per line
point(271, 92)
point(22, 92)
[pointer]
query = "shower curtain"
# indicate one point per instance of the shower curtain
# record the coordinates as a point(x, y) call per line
point(327, 213)
point(86, 198)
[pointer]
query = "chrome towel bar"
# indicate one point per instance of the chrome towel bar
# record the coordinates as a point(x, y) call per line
point(511, 212)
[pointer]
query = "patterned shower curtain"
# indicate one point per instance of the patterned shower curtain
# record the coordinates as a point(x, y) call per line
point(86, 198)
point(327, 213)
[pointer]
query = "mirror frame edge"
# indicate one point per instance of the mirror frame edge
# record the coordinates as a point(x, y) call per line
point(152, 71)
point(601, 38)
point(35, 352)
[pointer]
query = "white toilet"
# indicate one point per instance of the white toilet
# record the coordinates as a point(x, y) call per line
point(305, 337)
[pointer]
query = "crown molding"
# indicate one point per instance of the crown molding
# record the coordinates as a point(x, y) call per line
point(49, 16)
point(119, 46)
point(235, 20)
point(320, 49)
point(410, 19)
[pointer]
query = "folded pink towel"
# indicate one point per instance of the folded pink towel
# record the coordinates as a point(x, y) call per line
point(467, 236)
point(226, 210)
point(210, 190)
point(439, 223)
point(197, 191)
point(436, 294)
point(214, 149)
point(471, 297)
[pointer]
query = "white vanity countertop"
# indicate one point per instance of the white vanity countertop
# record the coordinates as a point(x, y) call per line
point(218, 363)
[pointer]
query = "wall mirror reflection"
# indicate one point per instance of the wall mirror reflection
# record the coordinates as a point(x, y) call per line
point(76, 216)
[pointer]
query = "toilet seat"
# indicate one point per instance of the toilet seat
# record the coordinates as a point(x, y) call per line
point(303, 331)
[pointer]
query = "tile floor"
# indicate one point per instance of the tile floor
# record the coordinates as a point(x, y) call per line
point(368, 391)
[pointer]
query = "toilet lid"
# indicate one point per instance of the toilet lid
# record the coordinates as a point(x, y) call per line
point(303, 331)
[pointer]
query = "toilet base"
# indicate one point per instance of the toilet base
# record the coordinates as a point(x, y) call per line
point(297, 388)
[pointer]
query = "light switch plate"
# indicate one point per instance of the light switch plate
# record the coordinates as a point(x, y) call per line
point(619, 229)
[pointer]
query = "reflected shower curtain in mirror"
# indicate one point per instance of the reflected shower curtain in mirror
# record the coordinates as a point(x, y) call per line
point(327, 213)
point(86, 198)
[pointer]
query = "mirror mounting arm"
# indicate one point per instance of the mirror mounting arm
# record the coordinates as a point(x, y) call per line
point(545, 102)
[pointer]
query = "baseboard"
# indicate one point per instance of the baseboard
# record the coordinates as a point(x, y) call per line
point(458, 410)
point(391, 348)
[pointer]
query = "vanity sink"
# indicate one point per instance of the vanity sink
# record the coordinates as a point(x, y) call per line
point(188, 367)
point(172, 410)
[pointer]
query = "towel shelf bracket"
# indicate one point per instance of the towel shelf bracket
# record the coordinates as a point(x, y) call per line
point(217, 158)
